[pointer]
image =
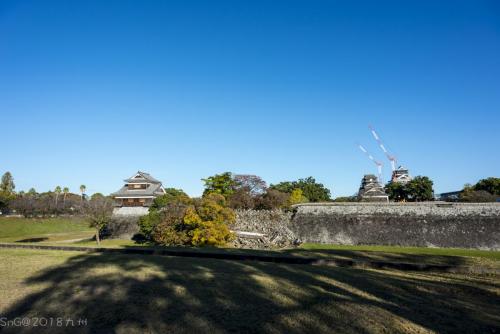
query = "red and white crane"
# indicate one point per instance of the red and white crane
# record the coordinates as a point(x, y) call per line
point(391, 158)
point(376, 162)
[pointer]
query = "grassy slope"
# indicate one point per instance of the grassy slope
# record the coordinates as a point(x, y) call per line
point(43, 229)
point(132, 293)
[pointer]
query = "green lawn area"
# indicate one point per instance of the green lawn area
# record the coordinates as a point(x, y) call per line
point(127, 293)
point(71, 231)
point(319, 248)
point(43, 229)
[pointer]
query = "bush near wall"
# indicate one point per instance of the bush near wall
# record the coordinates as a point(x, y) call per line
point(185, 221)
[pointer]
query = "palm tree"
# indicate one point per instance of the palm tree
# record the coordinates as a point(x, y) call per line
point(82, 190)
point(65, 191)
point(57, 191)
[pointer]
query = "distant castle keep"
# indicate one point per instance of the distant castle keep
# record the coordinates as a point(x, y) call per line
point(401, 175)
point(139, 191)
point(371, 190)
point(131, 202)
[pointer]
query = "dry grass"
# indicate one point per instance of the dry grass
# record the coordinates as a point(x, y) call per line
point(134, 293)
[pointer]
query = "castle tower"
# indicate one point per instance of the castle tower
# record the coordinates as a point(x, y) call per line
point(139, 190)
point(401, 175)
point(371, 190)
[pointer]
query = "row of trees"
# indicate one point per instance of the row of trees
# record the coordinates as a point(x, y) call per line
point(486, 190)
point(32, 203)
point(177, 219)
point(252, 192)
point(419, 189)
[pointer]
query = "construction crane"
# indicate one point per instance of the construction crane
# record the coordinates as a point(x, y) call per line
point(391, 158)
point(376, 162)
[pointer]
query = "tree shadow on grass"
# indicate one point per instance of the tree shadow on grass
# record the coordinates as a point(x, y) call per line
point(33, 240)
point(360, 255)
point(449, 261)
point(139, 293)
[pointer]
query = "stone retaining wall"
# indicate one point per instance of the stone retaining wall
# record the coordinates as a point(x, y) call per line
point(432, 224)
point(124, 222)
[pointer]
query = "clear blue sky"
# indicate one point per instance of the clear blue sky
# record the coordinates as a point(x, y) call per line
point(92, 91)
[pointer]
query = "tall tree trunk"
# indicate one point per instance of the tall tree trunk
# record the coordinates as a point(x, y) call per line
point(97, 237)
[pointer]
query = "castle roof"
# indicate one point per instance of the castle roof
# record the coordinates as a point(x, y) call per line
point(142, 177)
point(152, 188)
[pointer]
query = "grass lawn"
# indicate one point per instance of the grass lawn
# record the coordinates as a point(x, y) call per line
point(494, 255)
point(125, 293)
point(43, 229)
point(71, 231)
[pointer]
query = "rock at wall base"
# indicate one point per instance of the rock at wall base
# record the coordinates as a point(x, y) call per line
point(269, 229)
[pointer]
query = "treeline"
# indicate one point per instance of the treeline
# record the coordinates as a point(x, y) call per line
point(32, 203)
point(177, 219)
point(486, 190)
point(252, 192)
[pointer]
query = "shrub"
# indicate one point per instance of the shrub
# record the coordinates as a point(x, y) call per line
point(476, 196)
point(195, 222)
point(490, 185)
point(297, 197)
point(147, 223)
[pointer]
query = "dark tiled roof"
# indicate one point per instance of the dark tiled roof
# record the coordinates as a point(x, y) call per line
point(145, 178)
point(152, 190)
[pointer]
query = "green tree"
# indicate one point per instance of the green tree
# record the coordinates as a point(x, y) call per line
point(491, 185)
point(417, 190)
point(284, 187)
point(5, 199)
point(7, 194)
point(58, 191)
point(397, 191)
point(476, 196)
point(420, 189)
point(7, 183)
point(222, 184)
point(171, 194)
point(169, 209)
point(98, 211)
point(469, 194)
point(82, 191)
point(65, 192)
point(314, 191)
